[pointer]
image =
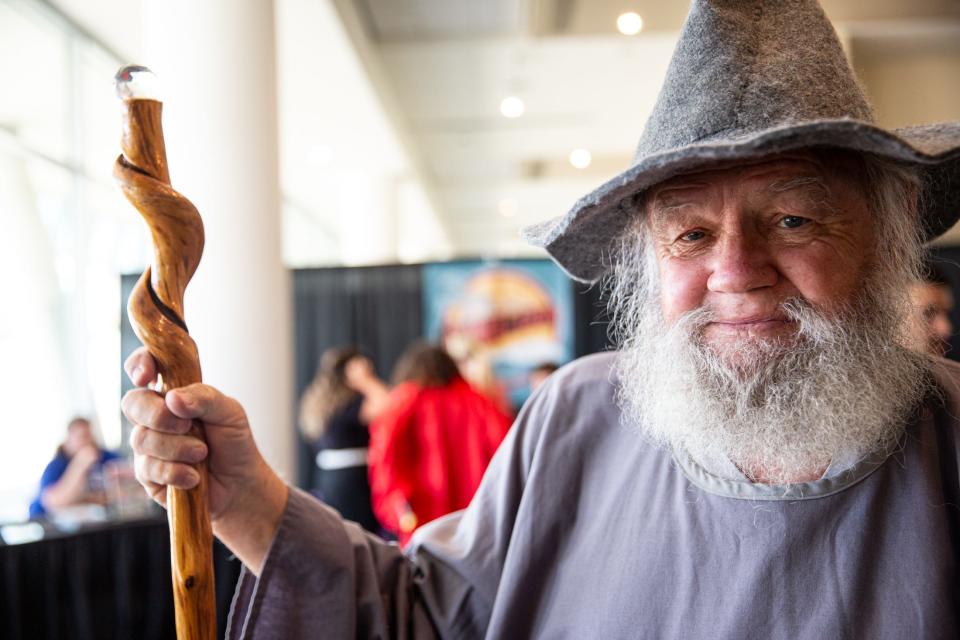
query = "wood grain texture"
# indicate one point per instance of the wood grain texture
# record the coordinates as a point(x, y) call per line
point(156, 313)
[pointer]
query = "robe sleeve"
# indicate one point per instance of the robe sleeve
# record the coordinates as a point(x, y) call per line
point(326, 577)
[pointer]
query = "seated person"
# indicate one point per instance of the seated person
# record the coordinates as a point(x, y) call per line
point(74, 476)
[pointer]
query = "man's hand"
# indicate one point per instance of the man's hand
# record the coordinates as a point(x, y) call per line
point(71, 488)
point(357, 372)
point(246, 497)
point(84, 459)
point(362, 378)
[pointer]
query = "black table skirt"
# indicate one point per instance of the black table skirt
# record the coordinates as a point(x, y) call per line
point(112, 582)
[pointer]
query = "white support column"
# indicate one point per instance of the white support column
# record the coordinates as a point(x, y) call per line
point(367, 219)
point(215, 60)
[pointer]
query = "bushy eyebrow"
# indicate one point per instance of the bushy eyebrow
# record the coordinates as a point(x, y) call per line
point(663, 215)
point(816, 183)
point(661, 206)
point(659, 209)
point(814, 187)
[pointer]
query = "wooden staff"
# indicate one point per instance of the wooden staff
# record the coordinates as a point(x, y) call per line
point(156, 313)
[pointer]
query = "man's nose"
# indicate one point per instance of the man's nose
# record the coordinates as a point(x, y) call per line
point(741, 263)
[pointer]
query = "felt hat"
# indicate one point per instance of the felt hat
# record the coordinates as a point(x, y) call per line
point(750, 78)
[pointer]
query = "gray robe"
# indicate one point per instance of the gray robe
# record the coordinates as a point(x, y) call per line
point(581, 529)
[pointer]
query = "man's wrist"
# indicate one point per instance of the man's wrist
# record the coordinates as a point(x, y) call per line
point(249, 526)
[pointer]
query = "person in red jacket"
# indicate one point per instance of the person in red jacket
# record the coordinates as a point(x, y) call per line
point(431, 444)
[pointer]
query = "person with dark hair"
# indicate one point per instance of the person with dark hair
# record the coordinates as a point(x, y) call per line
point(431, 444)
point(75, 475)
point(930, 328)
point(425, 365)
point(539, 374)
point(344, 396)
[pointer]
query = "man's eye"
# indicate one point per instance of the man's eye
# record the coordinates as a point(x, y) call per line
point(792, 222)
point(693, 236)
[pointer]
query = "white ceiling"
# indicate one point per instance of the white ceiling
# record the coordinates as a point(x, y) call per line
point(592, 92)
point(584, 85)
point(420, 20)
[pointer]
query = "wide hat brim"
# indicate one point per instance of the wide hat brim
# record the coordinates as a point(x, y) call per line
point(582, 240)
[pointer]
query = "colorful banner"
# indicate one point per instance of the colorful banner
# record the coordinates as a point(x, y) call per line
point(502, 318)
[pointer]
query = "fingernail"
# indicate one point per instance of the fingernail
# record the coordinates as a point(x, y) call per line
point(136, 373)
point(197, 454)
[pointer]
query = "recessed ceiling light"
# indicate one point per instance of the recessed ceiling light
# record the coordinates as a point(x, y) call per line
point(580, 158)
point(630, 23)
point(511, 107)
point(508, 207)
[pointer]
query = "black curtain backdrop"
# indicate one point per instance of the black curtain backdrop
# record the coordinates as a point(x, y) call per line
point(590, 320)
point(108, 582)
point(947, 258)
point(377, 309)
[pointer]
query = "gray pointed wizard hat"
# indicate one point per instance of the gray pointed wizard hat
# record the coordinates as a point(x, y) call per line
point(751, 78)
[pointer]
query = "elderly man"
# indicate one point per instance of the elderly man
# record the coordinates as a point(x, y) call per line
point(761, 459)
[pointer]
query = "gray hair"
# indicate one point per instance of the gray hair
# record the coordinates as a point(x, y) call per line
point(893, 194)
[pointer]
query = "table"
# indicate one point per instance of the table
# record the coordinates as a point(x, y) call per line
point(106, 581)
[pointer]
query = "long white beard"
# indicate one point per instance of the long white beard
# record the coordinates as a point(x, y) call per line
point(778, 409)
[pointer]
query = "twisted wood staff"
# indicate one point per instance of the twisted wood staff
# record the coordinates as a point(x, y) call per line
point(156, 313)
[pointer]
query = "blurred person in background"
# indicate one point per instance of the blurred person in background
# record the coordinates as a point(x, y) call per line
point(432, 443)
point(540, 373)
point(75, 476)
point(475, 366)
point(344, 396)
point(930, 327)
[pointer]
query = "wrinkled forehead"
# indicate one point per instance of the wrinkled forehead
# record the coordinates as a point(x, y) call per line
point(830, 170)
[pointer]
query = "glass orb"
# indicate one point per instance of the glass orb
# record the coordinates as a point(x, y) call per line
point(136, 82)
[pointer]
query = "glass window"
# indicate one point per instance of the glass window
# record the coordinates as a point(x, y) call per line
point(67, 235)
point(34, 74)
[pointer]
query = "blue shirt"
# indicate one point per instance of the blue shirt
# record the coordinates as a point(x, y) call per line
point(55, 470)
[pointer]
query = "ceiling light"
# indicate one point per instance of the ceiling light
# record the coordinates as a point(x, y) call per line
point(508, 207)
point(580, 158)
point(511, 107)
point(630, 23)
